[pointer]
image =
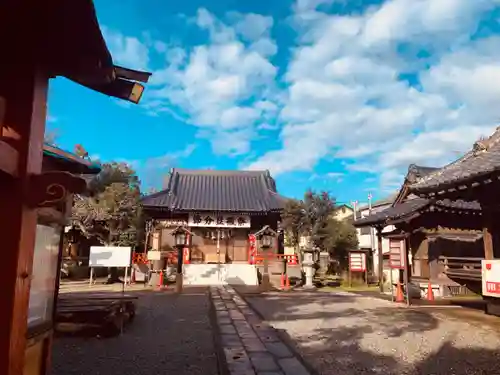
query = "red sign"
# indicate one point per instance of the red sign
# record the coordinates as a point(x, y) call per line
point(252, 248)
point(492, 287)
point(397, 254)
point(357, 262)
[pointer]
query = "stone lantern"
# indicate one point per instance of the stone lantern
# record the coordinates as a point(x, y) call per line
point(308, 266)
point(266, 237)
point(180, 241)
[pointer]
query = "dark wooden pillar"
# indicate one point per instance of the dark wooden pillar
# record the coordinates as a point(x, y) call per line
point(487, 238)
point(23, 87)
point(380, 260)
point(25, 92)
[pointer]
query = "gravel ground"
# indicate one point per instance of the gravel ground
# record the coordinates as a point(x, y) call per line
point(342, 333)
point(171, 334)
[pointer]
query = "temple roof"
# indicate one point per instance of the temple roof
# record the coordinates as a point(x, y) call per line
point(213, 190)
point(69, 161)
point(413, 207)
point(480, 162)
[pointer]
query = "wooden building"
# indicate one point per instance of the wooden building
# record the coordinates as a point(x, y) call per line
point(221, 208)
point(435, 232)
point(475, 178)
point(42, 39)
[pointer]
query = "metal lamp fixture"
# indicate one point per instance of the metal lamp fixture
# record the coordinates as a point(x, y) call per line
point(180, 239)
point(266, 237)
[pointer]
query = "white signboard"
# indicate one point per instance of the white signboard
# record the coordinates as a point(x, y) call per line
point(213, 220)
point(174, 223)
point(43, 282)
point(110, 256)
point(490, 270)
point(154, 255)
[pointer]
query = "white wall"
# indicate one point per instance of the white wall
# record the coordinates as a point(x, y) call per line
point(365, 240)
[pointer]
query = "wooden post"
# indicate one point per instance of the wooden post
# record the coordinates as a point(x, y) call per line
point(487, 237)
point(366, 272)
point(406, 272)
point(24, 90)
point(380, 260)
point(350, 275)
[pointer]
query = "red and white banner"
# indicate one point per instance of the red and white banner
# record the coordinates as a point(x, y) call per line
point(397, 254)
point(357, 262)
point(252, 248)
point(185, 250)
point(490, 272)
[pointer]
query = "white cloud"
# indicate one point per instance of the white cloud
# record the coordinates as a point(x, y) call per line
point(127, 51)
point(216, 85)
point(346, 93)
point(170, 158)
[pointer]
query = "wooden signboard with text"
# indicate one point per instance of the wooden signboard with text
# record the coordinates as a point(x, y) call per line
point(397, 254)
point(357, 263)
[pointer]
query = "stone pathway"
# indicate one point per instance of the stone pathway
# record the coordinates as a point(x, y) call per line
point(251, 347)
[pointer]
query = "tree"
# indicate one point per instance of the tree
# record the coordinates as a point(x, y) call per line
point(313, 217)
point(342, 237)
point(294, 222)
point(319, 208)
point(112, 211)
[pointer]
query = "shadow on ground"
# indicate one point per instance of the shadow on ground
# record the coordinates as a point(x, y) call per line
point(360, 338)
point(171, 334)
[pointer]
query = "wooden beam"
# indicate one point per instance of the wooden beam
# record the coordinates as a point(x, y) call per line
point(380, 260)
point(25, 91)
point(488, 241)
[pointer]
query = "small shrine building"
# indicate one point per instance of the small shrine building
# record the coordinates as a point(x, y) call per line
point(221, 208)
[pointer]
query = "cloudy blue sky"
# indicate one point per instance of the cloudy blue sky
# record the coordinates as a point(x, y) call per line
point(337, 95)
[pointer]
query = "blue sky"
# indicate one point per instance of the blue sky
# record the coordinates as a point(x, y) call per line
point(334, 95)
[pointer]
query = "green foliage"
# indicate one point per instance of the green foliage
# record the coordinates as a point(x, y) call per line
point(314, 217)
point(294, 222)
point(112, 212)
point(341, 238)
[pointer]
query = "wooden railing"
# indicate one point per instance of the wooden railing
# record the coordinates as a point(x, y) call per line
point(461, 267)
point(291, 259)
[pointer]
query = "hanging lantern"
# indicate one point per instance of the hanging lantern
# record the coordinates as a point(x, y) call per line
point(266, 237)
point(180, 236)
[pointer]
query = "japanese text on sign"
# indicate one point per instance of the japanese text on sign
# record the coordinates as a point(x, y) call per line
point(493, 287)
point(357, 262)
point(490, 275)
point(218, 220)
point(397, 254)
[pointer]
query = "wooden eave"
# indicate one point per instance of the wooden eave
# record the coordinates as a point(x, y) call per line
point(74, 47)
point(450, 189)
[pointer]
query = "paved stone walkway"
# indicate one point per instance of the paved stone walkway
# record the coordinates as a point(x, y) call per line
point(251, 347)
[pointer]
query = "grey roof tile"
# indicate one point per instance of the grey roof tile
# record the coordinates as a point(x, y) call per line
point(392, 212)
point(411, 206)
point(213, 190)
point(483, 159)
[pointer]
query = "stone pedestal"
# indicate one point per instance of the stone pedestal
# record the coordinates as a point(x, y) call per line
point(324, 262)
point(155, 276)
point(308, 267)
